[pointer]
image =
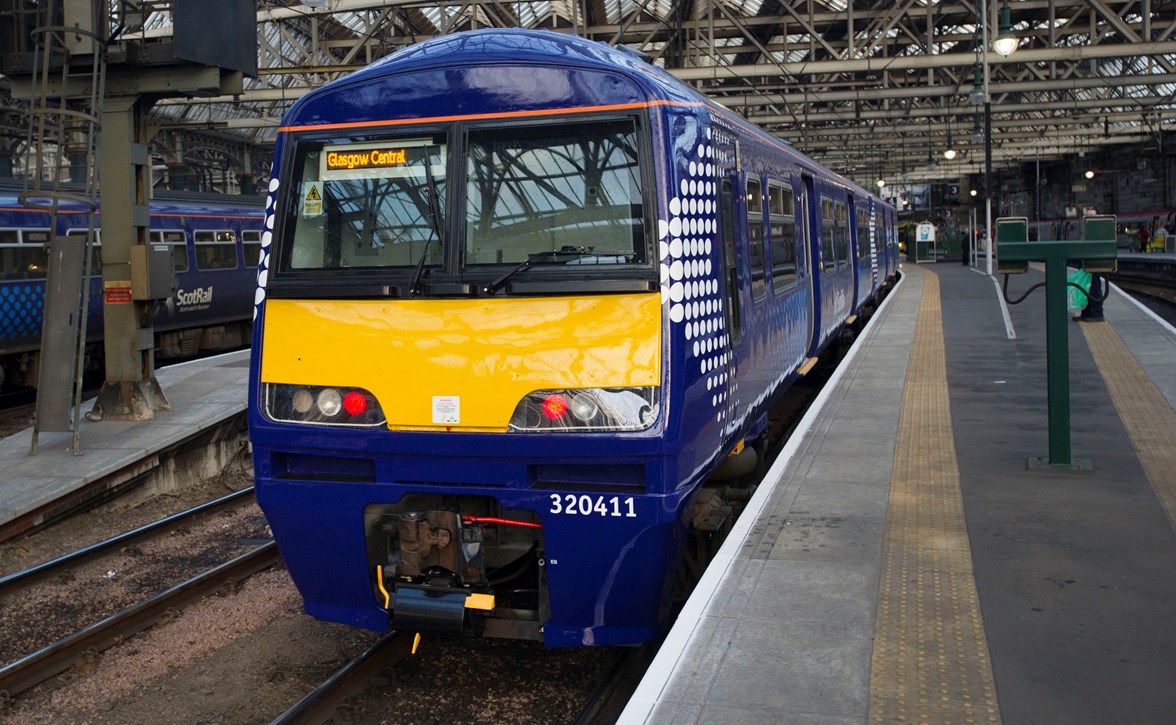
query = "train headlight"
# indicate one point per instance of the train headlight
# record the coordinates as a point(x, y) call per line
point(322, 405)
point(330, 402)
point(584, 407)
point(302, 400)
point(591, 409)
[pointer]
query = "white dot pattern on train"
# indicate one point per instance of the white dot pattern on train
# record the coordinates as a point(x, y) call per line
point(689, 280)
point(267, 237)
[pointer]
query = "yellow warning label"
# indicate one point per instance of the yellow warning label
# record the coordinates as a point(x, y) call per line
point(312, 201)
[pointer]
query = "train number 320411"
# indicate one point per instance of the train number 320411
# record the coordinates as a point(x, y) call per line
point(584, 505)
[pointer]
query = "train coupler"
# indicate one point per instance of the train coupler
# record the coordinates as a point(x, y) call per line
point(445, 610)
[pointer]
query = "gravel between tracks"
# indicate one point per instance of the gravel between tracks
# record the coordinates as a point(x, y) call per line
point(228, 659)
point(44, 611)
point(247, 658)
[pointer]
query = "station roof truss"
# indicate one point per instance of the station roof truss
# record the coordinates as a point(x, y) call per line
point(871, 88)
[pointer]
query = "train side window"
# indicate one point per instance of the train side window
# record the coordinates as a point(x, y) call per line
point(828, 233)
point(782, 234)
point(95, 251)
point(179, 247)
point(730, 268)
point(13, 259)
point(215, 249)
point(755, 236)
point(251, 247)
point(23, 253)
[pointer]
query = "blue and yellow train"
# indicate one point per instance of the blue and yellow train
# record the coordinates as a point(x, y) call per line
point(521, 295)
point(215, 242)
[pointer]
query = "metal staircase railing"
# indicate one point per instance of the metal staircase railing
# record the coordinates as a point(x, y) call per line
point(64, 128)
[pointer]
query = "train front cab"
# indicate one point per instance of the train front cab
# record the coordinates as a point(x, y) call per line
point(466, 496)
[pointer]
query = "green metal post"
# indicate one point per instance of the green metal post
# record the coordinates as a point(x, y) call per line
point(1097, 252)
point(1057, 363)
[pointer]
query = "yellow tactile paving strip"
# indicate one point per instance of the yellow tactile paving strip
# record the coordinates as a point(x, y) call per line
point(930, 662)
point(1147, 416)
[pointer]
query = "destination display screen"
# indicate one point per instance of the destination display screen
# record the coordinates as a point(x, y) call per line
point(404, 159)
point(366, 158)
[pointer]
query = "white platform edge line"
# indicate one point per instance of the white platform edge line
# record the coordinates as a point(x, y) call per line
point(210, 361)
point(657, 677)
point(1010, 331)
point(1144, 309)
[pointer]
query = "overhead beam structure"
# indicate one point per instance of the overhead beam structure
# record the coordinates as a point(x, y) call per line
point(852, 82)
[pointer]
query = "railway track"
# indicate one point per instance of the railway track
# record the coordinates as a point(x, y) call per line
point(332, 696)
point(87, 643)
point(16, 412)
point(341, 696)
point(1157, 294)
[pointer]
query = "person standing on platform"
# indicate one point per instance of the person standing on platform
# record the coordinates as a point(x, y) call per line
point(1160, 240)
point(1093, 311)
point(1143, 235)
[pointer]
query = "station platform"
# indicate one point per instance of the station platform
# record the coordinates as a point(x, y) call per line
point(903, 562)
point(203, 394)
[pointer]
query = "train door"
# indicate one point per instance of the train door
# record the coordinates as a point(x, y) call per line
point(855, 257)
point(812, 253)
point(730, 182)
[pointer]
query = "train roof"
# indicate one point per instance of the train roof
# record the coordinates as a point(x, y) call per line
point(518, 46)
point(162, 201)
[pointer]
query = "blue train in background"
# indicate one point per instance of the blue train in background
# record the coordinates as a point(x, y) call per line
point(216, 244)
point(522, 298)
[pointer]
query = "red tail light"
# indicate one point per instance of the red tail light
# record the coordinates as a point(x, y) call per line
point(555, 407)
point(354, 403)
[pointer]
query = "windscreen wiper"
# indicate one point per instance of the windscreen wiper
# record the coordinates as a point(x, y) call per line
point(530, 261)
point(435, 220)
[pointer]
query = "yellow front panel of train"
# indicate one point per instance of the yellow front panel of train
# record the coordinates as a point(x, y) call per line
point(486, 353)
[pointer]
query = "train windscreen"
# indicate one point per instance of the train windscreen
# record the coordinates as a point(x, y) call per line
point(368, 204)
point(489, 206)
point(570, 188)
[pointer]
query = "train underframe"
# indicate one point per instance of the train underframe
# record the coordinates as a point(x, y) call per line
point(465, 565)
point(459, 565)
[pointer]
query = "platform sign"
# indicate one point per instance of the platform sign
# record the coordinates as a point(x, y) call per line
point(117, 292)
point(925, 250)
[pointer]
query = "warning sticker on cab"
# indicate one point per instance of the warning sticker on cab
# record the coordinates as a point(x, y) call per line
point(312, 202)
point(446, 409)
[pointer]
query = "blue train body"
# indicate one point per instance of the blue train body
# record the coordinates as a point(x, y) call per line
point(216, 243)
point(525, 294)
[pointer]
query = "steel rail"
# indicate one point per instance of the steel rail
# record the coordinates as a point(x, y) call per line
point(140, 532)
point(321, 703)
point(49, 661)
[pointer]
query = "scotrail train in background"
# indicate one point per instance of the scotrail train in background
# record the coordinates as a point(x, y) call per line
point(525, 295)
point(216, 243)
